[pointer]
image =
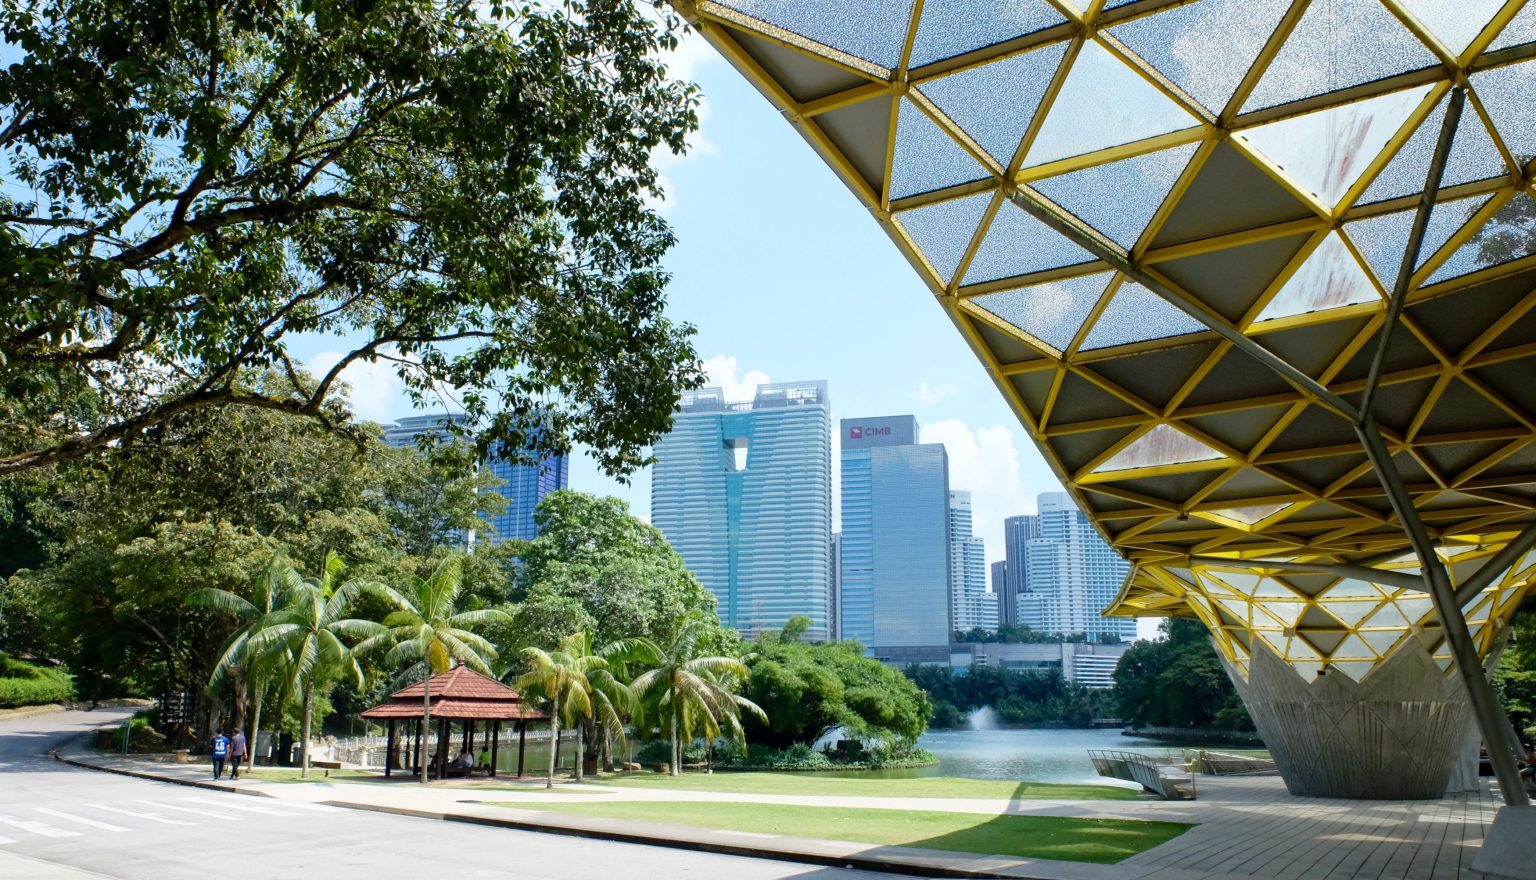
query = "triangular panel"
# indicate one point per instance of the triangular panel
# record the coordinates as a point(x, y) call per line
point(1506, 236)
point(1329, 278)
point(1521, 30)
point(1103, 103)
point(1158, 447)
point(1327, 151)
point(1338, 44)
point(1136, 314)
point(995, 103)
point(1454, 24)
point(926, 158)
point(1473, 157)
point(1119, 199)
point(942, 231)
point(954, 27)
point(1382, 239)
point(1051, 313)
point(1204, 47)
point(873, 30)
point(1017, 244)
point(1506, 92)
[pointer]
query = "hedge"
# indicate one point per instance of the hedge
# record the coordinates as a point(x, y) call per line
point(22, 684)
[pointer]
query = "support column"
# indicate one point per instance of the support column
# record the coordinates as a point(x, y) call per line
point(522, 744)
point(495, 743)
point(390, 744)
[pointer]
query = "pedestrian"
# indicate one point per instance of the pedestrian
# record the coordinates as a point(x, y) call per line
point(236, 753)
point(220, 752)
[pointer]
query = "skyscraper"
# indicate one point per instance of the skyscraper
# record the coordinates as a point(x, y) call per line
point(743, 491)
point(524, 484)
point(895, 545)
point(971, 605)
point(1017, 530)
point(1073, 573)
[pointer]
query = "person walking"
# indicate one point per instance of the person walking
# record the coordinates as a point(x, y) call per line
point(220, 752)
point(236, 753)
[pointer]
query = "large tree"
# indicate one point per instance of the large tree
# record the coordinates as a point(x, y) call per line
point(459, 189)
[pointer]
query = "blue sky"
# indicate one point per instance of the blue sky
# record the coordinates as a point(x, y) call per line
point(786, 278)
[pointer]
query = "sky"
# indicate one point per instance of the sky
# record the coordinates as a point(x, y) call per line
point(786, 277)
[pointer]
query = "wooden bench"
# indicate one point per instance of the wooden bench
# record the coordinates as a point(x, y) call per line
point(327, 766)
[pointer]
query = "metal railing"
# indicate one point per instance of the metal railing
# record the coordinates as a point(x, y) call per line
point(1167, 775)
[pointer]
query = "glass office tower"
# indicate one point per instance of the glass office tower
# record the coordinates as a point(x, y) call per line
point(743, 491)
point(524, 484)
point(1073, 573)
point(895, 544)
point(971, 605)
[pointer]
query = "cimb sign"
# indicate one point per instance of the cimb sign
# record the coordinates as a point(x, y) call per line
point(872, 431)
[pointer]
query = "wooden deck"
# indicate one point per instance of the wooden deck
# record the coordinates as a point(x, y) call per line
point(1252, 827)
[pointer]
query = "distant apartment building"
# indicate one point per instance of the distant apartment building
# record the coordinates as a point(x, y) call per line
point(895, 550)
point(1073, 574)
point(972, 606)
point(1088, 663)
point(743, 491)
point(1017, 530)
point(524, 483)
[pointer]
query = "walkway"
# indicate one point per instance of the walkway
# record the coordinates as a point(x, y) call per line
point(1245, 827)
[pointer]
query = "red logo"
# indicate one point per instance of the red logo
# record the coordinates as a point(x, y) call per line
point(856, 433)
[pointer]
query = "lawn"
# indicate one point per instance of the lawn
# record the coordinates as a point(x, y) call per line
point(923, 787)
point(1103, 841)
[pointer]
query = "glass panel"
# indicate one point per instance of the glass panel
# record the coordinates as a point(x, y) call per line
point(1327, 151)
point(1102, 104)
point(1349, 588)
point(1204, 47)
point(1160, 446)
point(1274, 639)
point(1285, 612)
point(1454, 23)
point(1242, 581)
point(1350, 612)
point(1522, 29)
point(1381, 240)
point(1382, 641)
point(951, 27)
point(942, 231)
point(1415, 608)
point(1307, 669)
point(1136, 314)
point(1329, 278)
point(926, 158)
point(1506, 93)
point(1355, 669)
point(1353, 647)
point(1118, 199)
point(1237, 607)
point(1052, 313)
point(1473, 157)
point(1338, 44)
point(1252, 514)
point(1300, 650)
point(1509, 235)
point(1018, 243)
point(996, 102)
point(1274, 589)
point(1388, 616)
point(870, 29)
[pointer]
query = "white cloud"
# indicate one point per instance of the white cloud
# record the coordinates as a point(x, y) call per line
point(723, 371)
point(692, 53)
point(374, 389)
point(986, 462)
point(928, 395)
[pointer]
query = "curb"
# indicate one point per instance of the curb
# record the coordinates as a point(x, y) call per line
point(851, 861)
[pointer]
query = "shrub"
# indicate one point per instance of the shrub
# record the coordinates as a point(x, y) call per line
point(22, 684)
point(143, 738)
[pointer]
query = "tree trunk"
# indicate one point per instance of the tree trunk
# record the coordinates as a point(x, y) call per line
point(554, 739)
point(426, 721)
point(255, 728)
point(309, 706)
point(677, 754)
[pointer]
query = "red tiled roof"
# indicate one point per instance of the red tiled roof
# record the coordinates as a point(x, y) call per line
point(459, 693)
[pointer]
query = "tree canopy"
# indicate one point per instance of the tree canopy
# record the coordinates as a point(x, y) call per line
point(460, 190)
point(1178, 681)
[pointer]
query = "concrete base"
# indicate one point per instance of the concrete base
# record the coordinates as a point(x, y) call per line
point(1509, 850)
point(1395, 735)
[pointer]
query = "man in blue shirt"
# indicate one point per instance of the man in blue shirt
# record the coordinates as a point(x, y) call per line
point(220, 752)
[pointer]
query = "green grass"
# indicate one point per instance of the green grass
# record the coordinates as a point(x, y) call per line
point(1103, 841)
point(923, 787)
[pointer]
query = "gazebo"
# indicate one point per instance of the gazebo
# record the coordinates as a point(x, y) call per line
point(463, 695)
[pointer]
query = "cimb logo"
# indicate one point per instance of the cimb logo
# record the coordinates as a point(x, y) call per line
point(861, 433)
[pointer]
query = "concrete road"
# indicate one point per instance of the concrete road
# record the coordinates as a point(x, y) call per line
point(62, 823)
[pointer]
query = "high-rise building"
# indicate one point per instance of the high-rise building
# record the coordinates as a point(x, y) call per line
point(1073, 573)
point(1017, 530)
point(999, 583)
point(524, 483)
point(835, 566)
point(971, 605)
point(895, 546)
point(743, 491)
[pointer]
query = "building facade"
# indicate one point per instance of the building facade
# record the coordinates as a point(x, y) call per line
point(1087, 663)
point(1017, 530)
point(524, 483)
point(743, 491)
point(972, 606)
point(1073, 575)
point(895, 569)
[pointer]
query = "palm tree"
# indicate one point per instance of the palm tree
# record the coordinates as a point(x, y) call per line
point(693, 693)
point(426, 628)
point(270, 587)
point(305, 633)
point(565, 677)
point(610, 697)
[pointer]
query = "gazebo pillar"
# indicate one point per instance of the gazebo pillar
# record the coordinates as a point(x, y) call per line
point(495, 741)
point(443, 743)
point(420, 764)
point(522, 744)
point(389, 749)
